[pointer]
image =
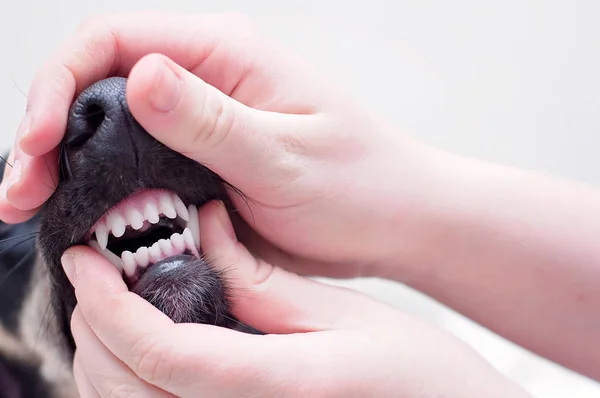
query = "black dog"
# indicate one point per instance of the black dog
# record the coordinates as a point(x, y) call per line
point(132, 199)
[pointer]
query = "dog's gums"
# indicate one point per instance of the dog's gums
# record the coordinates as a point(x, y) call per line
point(145, 228)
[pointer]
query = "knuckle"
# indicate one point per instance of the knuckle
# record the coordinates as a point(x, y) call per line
point(240, 21)
point(122, 390)
point(152, 361)
point(215, 121)
point(93, 22)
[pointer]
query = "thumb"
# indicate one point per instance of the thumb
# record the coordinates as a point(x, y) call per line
point(196, 119)
point(274, 300)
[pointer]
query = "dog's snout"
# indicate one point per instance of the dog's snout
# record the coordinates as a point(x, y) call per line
point(100, 109)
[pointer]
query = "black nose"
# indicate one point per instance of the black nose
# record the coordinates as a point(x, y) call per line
point(101, 108)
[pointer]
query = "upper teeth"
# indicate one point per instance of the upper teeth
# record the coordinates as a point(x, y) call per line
point(135, 214)
point(139, 212)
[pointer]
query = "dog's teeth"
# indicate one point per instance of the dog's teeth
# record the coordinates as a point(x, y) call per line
point(155, 253)
point(110, 256)
point(166, 247)
point(129, 263)
point(178, 242)
point(180, 208)
point(102, 235)
point(193, 225)
point(167, 207)
point(134, 218)
point(117, 224)
point(142, 257)
point(151, 212)
point(189, 242)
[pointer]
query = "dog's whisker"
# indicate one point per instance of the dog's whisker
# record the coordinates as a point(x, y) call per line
point(17, 237)
point(19, 88)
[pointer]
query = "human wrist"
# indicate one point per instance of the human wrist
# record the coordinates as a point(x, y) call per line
point(430, 202)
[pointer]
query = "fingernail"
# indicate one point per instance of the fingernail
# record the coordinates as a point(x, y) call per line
point(68, 263)
point(14, 174)
point(166, 91)
point(226, 222)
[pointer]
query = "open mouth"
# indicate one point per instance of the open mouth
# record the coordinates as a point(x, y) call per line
point(144, 229)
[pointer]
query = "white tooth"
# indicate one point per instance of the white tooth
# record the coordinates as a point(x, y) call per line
point(178, 243)
point(193, 225)
point(182, 211)
point(102, 235)
point(167, 207)
point(134, 218)
point(189, 241)
point(165, 247)
point(129, 264)
point(110, 256)
point(116, 223)
point(151, 212)
point(142, 257)
point(155, 253)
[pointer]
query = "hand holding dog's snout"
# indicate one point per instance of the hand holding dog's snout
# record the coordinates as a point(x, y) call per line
point(314, 165)
point(322, 340)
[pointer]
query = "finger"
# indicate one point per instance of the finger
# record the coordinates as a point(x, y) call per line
point(32, 180)
point(107, 374)
point(196, 119)
point(111, 45)
point(83, 383)
point(142, 337)
point(273, 300)
point(22, 191)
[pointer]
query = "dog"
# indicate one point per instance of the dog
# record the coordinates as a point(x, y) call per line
point(133, 200)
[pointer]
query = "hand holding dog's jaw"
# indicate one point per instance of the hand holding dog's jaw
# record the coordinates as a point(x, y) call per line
point(324, 340)
point(316, 166)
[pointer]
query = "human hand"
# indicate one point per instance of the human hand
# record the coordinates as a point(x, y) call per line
point(328, 183)
point(325, 341)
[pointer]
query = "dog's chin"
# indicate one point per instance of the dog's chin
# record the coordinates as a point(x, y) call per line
point(186, 289)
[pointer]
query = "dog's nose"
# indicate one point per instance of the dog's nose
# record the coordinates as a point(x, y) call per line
point(100, 109)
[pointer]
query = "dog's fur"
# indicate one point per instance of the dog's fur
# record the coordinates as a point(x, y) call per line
point(105, 156)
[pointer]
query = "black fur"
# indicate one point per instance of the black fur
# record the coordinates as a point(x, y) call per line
point(17, 257)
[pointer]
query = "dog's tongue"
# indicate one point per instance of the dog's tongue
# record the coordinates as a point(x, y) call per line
point(186, 289)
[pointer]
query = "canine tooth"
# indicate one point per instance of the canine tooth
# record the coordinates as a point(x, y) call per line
point(110, 256)
point(102, 235)
point(178, 242)
point(155, 252)
point(189, 241)
point(129, 263)
point(167, 207)
point(142, 257)
point(166, 247)
point(180, 208)
point(193, 224)
point(151, 212)
point(134, 218)
point(117, 224)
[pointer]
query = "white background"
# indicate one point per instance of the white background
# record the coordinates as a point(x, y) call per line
point(514, 81)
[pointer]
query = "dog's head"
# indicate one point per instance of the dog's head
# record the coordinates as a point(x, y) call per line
point(135, 201)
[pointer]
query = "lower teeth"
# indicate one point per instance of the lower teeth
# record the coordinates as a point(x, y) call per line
point(164, 248)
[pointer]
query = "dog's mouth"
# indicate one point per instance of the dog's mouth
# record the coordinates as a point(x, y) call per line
point(147, 229)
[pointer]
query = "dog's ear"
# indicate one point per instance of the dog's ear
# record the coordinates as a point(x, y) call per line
point(19, 370)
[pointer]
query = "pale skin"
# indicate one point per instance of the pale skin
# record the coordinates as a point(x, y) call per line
point(338, 192)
